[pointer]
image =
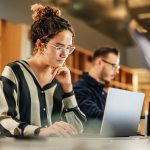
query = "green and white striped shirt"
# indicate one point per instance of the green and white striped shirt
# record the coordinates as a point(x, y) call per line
point(25, 107)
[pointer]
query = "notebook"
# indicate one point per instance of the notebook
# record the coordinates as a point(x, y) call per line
point(122, 113)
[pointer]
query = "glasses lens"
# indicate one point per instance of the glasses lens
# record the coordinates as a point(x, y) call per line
point(116, 67)
point(59, 48)
point(71, 49)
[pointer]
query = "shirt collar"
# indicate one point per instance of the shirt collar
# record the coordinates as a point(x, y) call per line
point(91, 81)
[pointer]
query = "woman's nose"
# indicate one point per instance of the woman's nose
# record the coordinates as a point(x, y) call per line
point(64, 53)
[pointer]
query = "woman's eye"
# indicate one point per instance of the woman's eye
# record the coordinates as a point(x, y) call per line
point(59, 48)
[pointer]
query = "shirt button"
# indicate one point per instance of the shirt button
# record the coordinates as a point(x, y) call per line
point(103, 93)
point(45, 126)
point(42, 91)
point(44, 109)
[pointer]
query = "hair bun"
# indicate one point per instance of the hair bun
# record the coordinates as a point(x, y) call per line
point(39, 11)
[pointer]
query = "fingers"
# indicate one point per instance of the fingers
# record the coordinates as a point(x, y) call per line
point(62, 71)
point(68, 127)
point(59, 70)
point(54, 71)
point(61, 129)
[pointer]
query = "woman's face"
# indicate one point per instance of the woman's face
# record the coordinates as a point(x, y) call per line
point(56, 50)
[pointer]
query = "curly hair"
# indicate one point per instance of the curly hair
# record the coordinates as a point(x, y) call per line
point(47, 23)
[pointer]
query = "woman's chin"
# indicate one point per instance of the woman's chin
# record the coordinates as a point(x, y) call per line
point(58, 65)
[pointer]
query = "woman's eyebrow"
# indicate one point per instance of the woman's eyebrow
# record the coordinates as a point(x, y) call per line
point(62, 44)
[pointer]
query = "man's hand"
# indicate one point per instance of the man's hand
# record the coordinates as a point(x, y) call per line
point(59, 129)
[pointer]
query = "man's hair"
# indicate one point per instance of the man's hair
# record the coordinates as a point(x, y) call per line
point(104, 51)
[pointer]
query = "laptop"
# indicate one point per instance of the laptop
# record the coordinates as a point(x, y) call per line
point(122, 113)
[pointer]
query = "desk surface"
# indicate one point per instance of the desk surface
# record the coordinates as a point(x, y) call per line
point(78, 143)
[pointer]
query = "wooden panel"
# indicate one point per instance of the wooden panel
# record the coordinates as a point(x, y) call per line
point(69, 61)
point(0, 43)
point(11, 37)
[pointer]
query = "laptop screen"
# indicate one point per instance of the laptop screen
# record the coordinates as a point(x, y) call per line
point(122, 113)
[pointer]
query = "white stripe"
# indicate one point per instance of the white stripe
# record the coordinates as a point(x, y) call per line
point(8, 73)
point(69, 102)
point(35, 107)
point(29, 130)
point(3, 103)
point(17, 108)
point(11, 125)
point(49, 102)
point(28, 67)
point(6, 122)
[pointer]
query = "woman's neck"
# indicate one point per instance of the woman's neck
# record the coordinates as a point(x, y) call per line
point(42, 72)
point(38, 65)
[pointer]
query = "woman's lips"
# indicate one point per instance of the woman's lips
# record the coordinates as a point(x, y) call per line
point(60, 60)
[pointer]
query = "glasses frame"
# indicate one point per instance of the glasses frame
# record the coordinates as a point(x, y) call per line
point(62, 47)
point(114, 66)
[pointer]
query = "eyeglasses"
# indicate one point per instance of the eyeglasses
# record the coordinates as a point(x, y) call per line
point(114, 66)
point(69, 49)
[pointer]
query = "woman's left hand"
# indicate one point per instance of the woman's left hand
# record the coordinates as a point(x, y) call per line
point(62, 74)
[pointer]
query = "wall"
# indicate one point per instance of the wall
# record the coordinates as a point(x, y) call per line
point(134, 58)
point(86, 37)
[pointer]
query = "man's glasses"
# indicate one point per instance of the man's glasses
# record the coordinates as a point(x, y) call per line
point(114, 66)
point(68, 49)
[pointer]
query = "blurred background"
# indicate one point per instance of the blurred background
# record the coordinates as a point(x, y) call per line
point(96, 23)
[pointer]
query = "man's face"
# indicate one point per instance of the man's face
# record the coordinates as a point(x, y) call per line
point(110, 67)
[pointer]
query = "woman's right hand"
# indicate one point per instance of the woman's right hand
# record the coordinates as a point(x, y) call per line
point(59, 129)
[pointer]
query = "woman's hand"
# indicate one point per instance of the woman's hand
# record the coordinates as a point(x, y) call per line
point(59, 129)
point(62, 74)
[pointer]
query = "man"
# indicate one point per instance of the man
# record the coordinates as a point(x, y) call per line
point(89, 89)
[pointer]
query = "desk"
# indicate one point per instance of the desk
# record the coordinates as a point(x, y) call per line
point(76, 144)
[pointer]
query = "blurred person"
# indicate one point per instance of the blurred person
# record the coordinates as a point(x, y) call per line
point(35, 92)
point(90, 88)
point(137, 34)
point(136, 31)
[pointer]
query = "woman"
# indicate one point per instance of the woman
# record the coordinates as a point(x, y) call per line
point(34, 92)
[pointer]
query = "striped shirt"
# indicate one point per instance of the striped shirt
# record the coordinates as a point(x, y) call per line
point(25, 107)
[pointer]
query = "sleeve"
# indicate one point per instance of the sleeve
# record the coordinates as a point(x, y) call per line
point(143, 45)
point(86, 103)
point(73, 114)
point(10, 125)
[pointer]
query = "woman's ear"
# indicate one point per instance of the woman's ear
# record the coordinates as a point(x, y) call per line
point(40, 46)
point(39, 43)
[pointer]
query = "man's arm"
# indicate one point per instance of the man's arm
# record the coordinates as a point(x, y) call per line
point(87, 104)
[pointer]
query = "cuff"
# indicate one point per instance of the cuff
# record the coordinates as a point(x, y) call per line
point(37, 131)
point(69, 102)
point(68, 94)
point(30, 130)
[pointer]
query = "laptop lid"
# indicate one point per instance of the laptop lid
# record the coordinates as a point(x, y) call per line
point(122, 113)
